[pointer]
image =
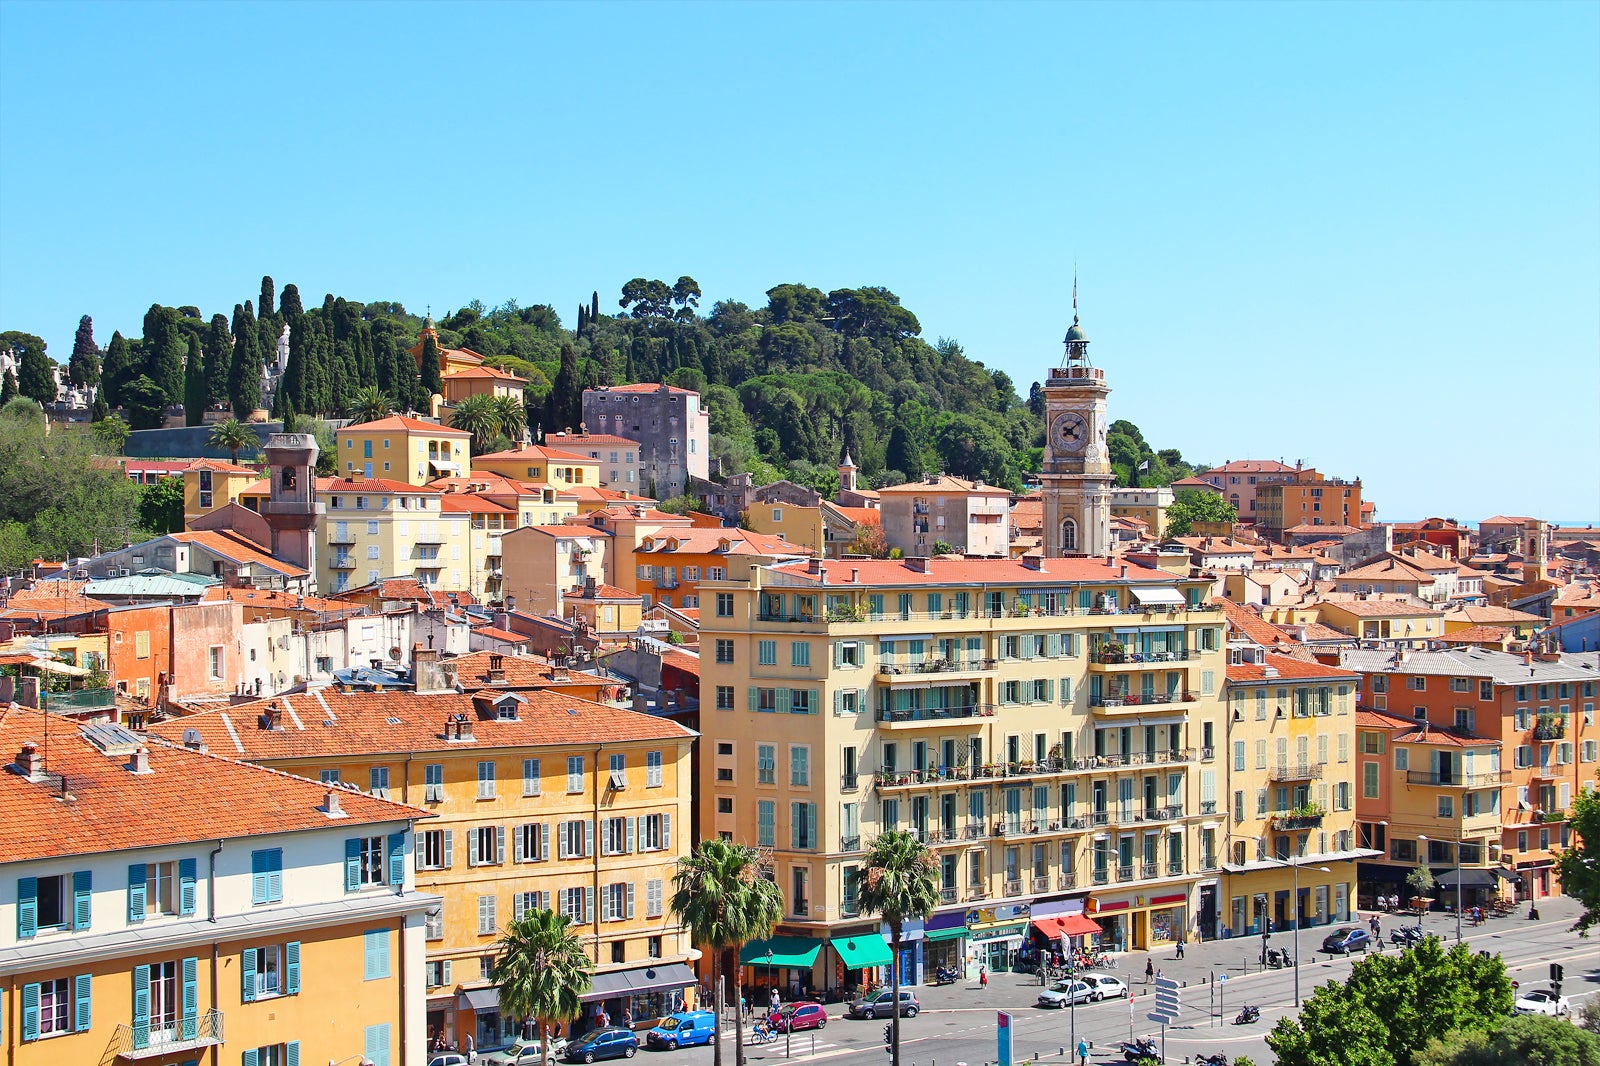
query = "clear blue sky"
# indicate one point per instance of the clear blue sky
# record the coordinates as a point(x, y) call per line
point(1367, 236)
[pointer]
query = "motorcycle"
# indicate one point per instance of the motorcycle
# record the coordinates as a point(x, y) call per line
point(946, 975)
point(1278, 958)
point(1247, 1015)
point(1219, 1059)
point(1407, 935)
point(1142, 1048)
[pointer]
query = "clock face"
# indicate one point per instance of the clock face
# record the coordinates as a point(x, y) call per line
point(1070, 433)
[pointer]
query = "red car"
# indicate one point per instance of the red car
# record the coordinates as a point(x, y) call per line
point(795, 1017)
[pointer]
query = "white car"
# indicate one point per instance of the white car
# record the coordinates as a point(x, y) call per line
point(1061, 993)
point(1543, 1001)
point(1104, 986)
point(521, 1053)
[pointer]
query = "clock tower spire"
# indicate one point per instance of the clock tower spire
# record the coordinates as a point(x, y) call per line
point(1077, 473)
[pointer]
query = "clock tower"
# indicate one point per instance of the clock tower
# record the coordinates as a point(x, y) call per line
point(1077, 473)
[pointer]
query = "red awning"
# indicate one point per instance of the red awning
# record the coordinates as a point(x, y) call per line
point(1058, 925)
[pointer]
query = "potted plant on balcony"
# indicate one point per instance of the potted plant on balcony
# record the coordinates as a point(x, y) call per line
point(987, 770)
point(1113, 651)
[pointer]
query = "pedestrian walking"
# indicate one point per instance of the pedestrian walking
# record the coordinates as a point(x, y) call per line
point(775, 997)
point(1149, 970)
point(472, 1048)
point(1083, 1053)
point(1180, 949)
point(983, 977)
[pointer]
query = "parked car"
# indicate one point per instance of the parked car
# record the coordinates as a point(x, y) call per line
point(1104, 986)
point(1062, 993)
point(612, 1042)
point(519, 1053)
point(450, 1058)
point(1542, 1001)
point(1347, 939)
point(881, 1005)
point(684, 1029)
point(795, 1017)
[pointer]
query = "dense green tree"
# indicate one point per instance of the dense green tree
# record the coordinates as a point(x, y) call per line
point(563, 407)
point(164, 349)
point(194, 385)
point(1578, 866)
point(218, 359)
point(244, 375)
point(99, 409)
point(83, 369)
point(899, 882)
point(289, 307)
point(430, 370)
point(511, 417)
point(542, 971)
point(35, 369)
point(117, 370)
point(161, 506)
point(145, 402)
point(721, 895)
point(264, 308)
point(70, 501)
point(1196, 505)
point(369, 405)
point(110, 434)
point(480, 416)
point(1524, 1040)
point(234, 436)
point(8, 388)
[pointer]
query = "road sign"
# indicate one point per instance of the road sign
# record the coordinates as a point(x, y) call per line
point(1169, 1000)
point(1003, 1050)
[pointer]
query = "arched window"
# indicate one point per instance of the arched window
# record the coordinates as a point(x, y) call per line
point(1069, 535)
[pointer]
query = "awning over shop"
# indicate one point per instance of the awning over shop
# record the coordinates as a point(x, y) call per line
point(1163, 596)
point(1078, 925)
point(953, 932)
point(1471, 877)
point(51, 666)
point(799, 951)
point(606, 986)
point(1507, 875)
point(858, 952)
point(1379, 871)
point(638, 981)
point(480, 1000)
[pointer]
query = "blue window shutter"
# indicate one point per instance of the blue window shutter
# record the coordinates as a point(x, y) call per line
point(291, 968)
point(141, 1007)
point(275, 875)
point(82, 898)
point(247, 975)
point(352, 864)
point(27, 907)
point(291, 1053)
point(186, 875)
point(377, 1044)
point(80, 1003)
point(397, 858)
point(30, 1012)
point(189, 997)
point(252, 1057)
point(136, 902)
point(258, 877)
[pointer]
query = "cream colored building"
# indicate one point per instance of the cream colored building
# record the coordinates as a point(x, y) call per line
point(969, 516)
point(402, 449)
point(544, 563)
point(375, 529)
point(1047, 727)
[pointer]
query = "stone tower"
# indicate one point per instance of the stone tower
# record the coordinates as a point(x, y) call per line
point(1077, 473)
point(847, 474)
point(292, 510)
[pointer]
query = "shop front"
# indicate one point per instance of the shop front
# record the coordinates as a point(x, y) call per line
point(860, 960)
point(944, 944)
point(629, 997)
point(996, 946)
point(1478, 887)
point(784, 962)
point(1065, 934)
point(1139, 922)
point(478, 1014)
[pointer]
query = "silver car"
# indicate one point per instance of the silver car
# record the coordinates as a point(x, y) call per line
point(1062, 993)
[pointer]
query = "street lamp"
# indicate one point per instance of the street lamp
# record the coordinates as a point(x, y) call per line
point(1294, 926)
point(1458, 844)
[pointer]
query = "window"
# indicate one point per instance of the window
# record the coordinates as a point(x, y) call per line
point(269, 971)
point(486, 915)
point(652, 769)
point(486, 845)
point(615, 836)
point(50, 1007)
point(575, 903)
point(766, 764)
point(574, 773)
point(1447, 807)
point(486, 779)
point(800, 653)
point(438, 973)
point(378, 781)
point(1402, 758)
point(765, 829)
point(214, 659)
point(433, 782)
point(654, 907)
point(369, 853)
point(724, 650)
point(328, 777)
point(766, 653)
point(616, 901)
point(1418, 683)
point(575, 839)
point(803, 826)
point(376, 954)
point(724, 605)
point(799, 766)
point(530, 842)
point(266, 876)
point(655, 832)
point(1238, 756)
point(1369, 780)
point(524, 902)
point(724, 697)
point(800, 899)
point(433, 849)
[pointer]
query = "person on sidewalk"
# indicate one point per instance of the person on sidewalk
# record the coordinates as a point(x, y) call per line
point(983, 977)
point(1149, 971)
point(1083, 1053)
point(1180, 949)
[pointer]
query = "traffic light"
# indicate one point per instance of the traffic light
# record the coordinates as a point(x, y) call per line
point(888, 1038)
point(1555, 971)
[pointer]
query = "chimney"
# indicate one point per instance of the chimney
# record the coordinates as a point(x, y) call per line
point(813, 565)
point(855, 576)
point(497, 670)
point(357, 476)
point(29, 762)
point(1124, 572)
point(139, 761)
point(330, 804)
point(1033, 562)
point(917, 564)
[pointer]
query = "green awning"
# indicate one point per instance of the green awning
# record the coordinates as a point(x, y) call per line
point(786, 951)
point(866, 949)
point(951, 933)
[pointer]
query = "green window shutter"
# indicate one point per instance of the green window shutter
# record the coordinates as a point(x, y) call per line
point(258, 877)
point(753, 698)
point(252, 1057)
point(247, 975)
point(136, 900)
point(274, 875)
point(376, 1044)
point(27, 907)
point(783, 701)
point(291, 1053)
point(81, 1013)
point(352, 864)
point(141, 1007)
point(82, 898)
point(186, 879)
point(30, 1012)
point(189, 998)
point(291, 968)
point(397, 856)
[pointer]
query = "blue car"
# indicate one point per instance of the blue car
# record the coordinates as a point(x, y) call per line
point(684, 1029)
point(612, 1042)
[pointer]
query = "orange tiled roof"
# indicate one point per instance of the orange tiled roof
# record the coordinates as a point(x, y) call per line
point(535, 451)
point(1252, 466)
point(220, 467)
point(681, 660)
point(1324, 531)
point(1318, 631)
point(1478, 635)
point(520, 671)
point(53, 598)
point(405, 588)
point(408, 425)
point(281, 600)
point(1379, 608)
point(472, 503)
point(862, 516)
point(115, 810)
point(374, 484)
point(563, 439)
point(484, 482)
point(505, 636)
point(1487, 615)
point(1288, 669)
point(602, 591)
point(1587, 597)
point(945, 483)
point(1387, 570)
point(368, 723)
point(485, 372)
point(706, 540)
point(1253, 625)
point(238, 547)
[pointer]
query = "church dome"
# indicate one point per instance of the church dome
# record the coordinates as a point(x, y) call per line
point(1075, 334)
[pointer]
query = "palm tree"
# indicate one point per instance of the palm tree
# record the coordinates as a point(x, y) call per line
point(721, 894)
point(542, 971)
point(370, 404)
point(235, 436)
point(899, 880)
point(513, 417)
point(479, 416)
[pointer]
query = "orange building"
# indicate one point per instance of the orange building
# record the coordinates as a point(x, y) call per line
point(1307, 497)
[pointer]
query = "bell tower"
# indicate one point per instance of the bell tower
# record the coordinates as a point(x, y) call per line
point(1077, 472)
point(291, 510)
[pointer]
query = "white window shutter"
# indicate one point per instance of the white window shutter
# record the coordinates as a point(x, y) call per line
point(544, 841)
point(630, 900)
point(499, 845)
point(666, 832)
point(588, 904)
point(449, 847)
point(588, 838)
point(561, 840)
point(632, 827)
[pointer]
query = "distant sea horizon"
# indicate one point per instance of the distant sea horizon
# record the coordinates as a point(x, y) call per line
point(1560, 522)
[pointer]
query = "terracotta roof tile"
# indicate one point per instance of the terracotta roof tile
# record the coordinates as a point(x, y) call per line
point(1253, 625)
point(286, 601)
point(238, 547)
point(520, 672)
point(563, 440)
point(220, 467)
point(375, 484)
point(534, 452)
point(113, 809)
point(945, 483)
point(1478, 635)
point(1288, 669)
point(490, 372)
point(409, 425)
point(1380, 608)
point(505, 636)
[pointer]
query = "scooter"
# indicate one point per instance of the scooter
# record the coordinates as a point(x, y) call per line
point(1144, 1047)
point(945, 975)
point(1407, 935)
point(1278, 958)
point(1247, 1015)
point(1219, 1059)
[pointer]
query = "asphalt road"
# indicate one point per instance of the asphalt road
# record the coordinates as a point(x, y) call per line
point(958, 1022)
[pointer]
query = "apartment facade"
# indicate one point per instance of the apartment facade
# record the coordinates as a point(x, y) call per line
point(1307, 497)
point(1047, 727)
point(378, 528)
point(1240, 480)
point(138, 926)
point(670, 424)
point(618, 456)
point(542, 800)
point(398, 448)
point(211, 484)
point(969, 516)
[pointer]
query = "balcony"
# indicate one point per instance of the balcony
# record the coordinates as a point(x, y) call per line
point(1120, 661)
point(137, 1042)
point(1040, 884)
point(949, 894)
point(335, 537)
point(850, 843)
point(891, 671)
point(1013, 888)
point(1296, 771)
point(1478, 780)
point(78, 700)
point(1066, 882)
point(849, 782)
point(1158, 757)
point(1126, 873)
point(849, 907)
point(1139, 702)
point(1208, 806)
point(1100, 877)
point(342, 562)
point(1174, 869)
point(926, 716)
point(1290, 822)
point(1208, 754)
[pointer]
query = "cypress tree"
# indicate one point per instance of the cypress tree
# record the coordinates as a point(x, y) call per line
point(383, 365)
point(289, 307)
point(293, 385)
point(366, 362)
point(164, 351)
point(218, 359)
point(35, 370)
point(8, 388)
point(116, 371)
point(84, 367)
point(594, 306)
point(244, 376)
point(431, 379)
point(194, 386)
point(98, 411)
point(560, 409)
point(266, 296)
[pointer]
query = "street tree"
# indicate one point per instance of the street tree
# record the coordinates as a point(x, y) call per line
point(1578, 864)
point(1196, 505)
point(234, 436)
point(542, 971)
point(899, 882)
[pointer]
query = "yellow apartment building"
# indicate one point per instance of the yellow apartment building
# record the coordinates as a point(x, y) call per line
point(1047, 727)
point(546, 467)
point(210, 484)
point(1395, 622)
point(542, 800)
point(137, 925)
point(398, 448)
point(1290, 779)
point(376, 528)
point(1147, 505)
